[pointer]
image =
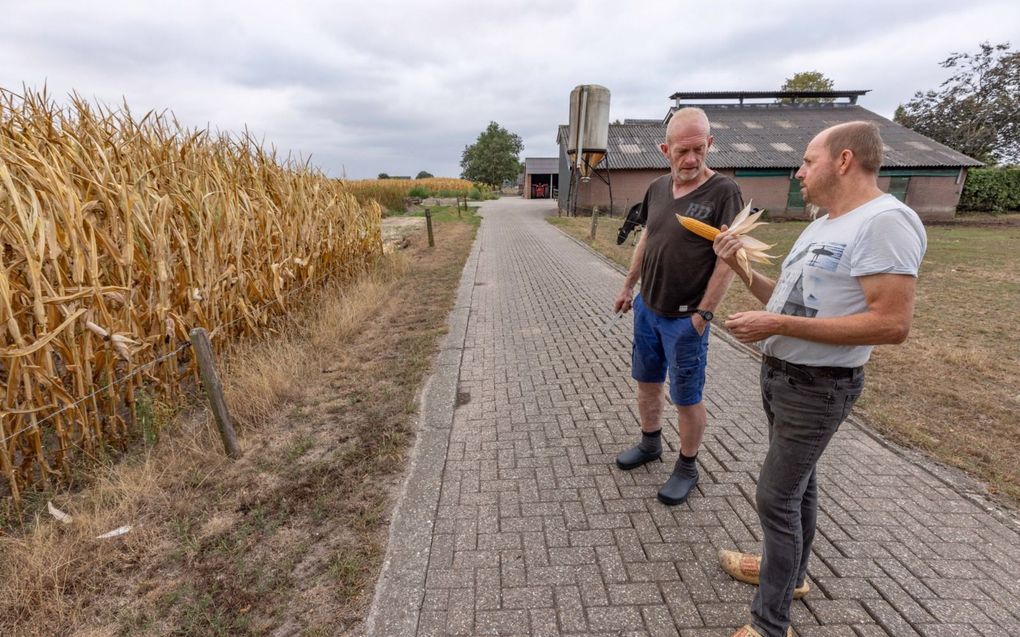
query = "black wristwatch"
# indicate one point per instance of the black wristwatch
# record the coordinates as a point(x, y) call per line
point(705, 314)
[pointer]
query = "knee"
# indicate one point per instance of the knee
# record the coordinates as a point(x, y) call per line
point(773, 506)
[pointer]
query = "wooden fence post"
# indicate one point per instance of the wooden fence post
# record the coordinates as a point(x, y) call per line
point(207, 368)
point(594, 221)
point(428, 225)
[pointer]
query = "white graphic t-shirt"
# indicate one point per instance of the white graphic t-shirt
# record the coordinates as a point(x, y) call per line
point(819, 277)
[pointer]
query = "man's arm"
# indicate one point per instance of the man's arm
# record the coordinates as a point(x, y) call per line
point(890, 299)
point(722, 275)
point(626, 297)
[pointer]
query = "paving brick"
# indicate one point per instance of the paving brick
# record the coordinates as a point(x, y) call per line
point(502, 622)
point(841, 611)
point(543, 622)
point(955, 611)
point(724, 614)
point(527, 597)
point(460, 616)
point(617, 618)
point(947, 630)
point(570, 609)
point(651, 572)
point(634, 594)
point(871, 630)
point(825, 631)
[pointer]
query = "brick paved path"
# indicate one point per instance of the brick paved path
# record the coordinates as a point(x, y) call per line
point(516, 521)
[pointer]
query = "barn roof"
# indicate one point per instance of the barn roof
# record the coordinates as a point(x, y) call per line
point(541, 165)
point(773, 136)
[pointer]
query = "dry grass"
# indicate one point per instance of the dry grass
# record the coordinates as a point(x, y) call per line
point(953, 389)
point(119, 235)
point(292, 535)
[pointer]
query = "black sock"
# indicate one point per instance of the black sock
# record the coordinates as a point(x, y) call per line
point(651, 441)
point(686, 465)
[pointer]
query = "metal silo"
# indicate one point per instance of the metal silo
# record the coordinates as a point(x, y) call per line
point(588, 142)
point(589, 128)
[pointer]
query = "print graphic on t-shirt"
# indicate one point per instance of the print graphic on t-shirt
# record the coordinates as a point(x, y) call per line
point(801, 278)
point(699, 211)
point(790, 288)
point(826, 256)
point(796, 304)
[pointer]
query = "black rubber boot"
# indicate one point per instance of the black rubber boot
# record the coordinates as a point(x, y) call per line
point(681, 483)
point(650, 448)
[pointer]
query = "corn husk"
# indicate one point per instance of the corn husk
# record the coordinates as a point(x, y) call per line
point(743, 223)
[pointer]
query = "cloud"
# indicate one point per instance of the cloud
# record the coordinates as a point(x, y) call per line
point(388, 86)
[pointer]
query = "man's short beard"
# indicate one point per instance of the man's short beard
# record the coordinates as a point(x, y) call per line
point(678, 175)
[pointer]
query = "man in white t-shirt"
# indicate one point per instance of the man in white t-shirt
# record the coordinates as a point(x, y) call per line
point(846, 286)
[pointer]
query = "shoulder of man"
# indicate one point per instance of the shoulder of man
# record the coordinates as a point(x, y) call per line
point(660, 189)
point(887, 207)
point(725, 181)
point(728, 192)
point(661, 182)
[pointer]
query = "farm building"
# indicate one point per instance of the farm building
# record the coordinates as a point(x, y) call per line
point(541, 177)
point(760, 145)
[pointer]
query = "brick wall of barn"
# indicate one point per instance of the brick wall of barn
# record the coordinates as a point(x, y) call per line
point(934, 198)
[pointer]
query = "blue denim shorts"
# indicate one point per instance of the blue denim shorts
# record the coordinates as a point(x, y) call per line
point(672, 344)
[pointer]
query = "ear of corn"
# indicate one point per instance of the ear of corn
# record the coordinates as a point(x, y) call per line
point(744, 222)
point(698, 227)
point(117, 236)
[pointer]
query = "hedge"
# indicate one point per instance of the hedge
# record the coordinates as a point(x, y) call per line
point(991, 189)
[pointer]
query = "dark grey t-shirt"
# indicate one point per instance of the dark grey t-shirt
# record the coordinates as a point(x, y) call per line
point(677, 263)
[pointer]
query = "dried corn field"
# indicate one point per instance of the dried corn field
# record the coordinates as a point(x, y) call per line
point(118, 236)
point(390, 193)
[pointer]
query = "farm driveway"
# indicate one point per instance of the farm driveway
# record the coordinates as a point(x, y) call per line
point(515, 521)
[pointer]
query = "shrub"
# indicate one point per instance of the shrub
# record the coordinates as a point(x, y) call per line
point(419, 191)
point(992, 189)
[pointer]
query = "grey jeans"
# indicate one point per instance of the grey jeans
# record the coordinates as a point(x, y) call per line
point(804, 407)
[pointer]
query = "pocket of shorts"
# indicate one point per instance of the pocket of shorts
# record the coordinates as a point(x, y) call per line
point(690, 327)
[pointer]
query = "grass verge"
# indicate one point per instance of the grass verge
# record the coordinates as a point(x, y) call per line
point(291, 536)
point(953, 389)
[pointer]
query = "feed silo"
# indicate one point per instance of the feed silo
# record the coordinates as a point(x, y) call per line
point(589, 127)
point(588, 138)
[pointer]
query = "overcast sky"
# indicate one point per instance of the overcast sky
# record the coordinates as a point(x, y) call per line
point(398, 87)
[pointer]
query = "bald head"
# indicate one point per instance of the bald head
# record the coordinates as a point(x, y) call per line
point(687, 122)
point(860, 138)
point(686, 145)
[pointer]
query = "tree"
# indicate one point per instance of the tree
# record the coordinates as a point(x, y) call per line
point(806, 81)
point(424, 175)
point(977, 110)
point(383, 176)
point(494, 157)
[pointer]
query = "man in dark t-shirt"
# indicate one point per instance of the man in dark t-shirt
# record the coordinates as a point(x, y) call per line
point(682, 281)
